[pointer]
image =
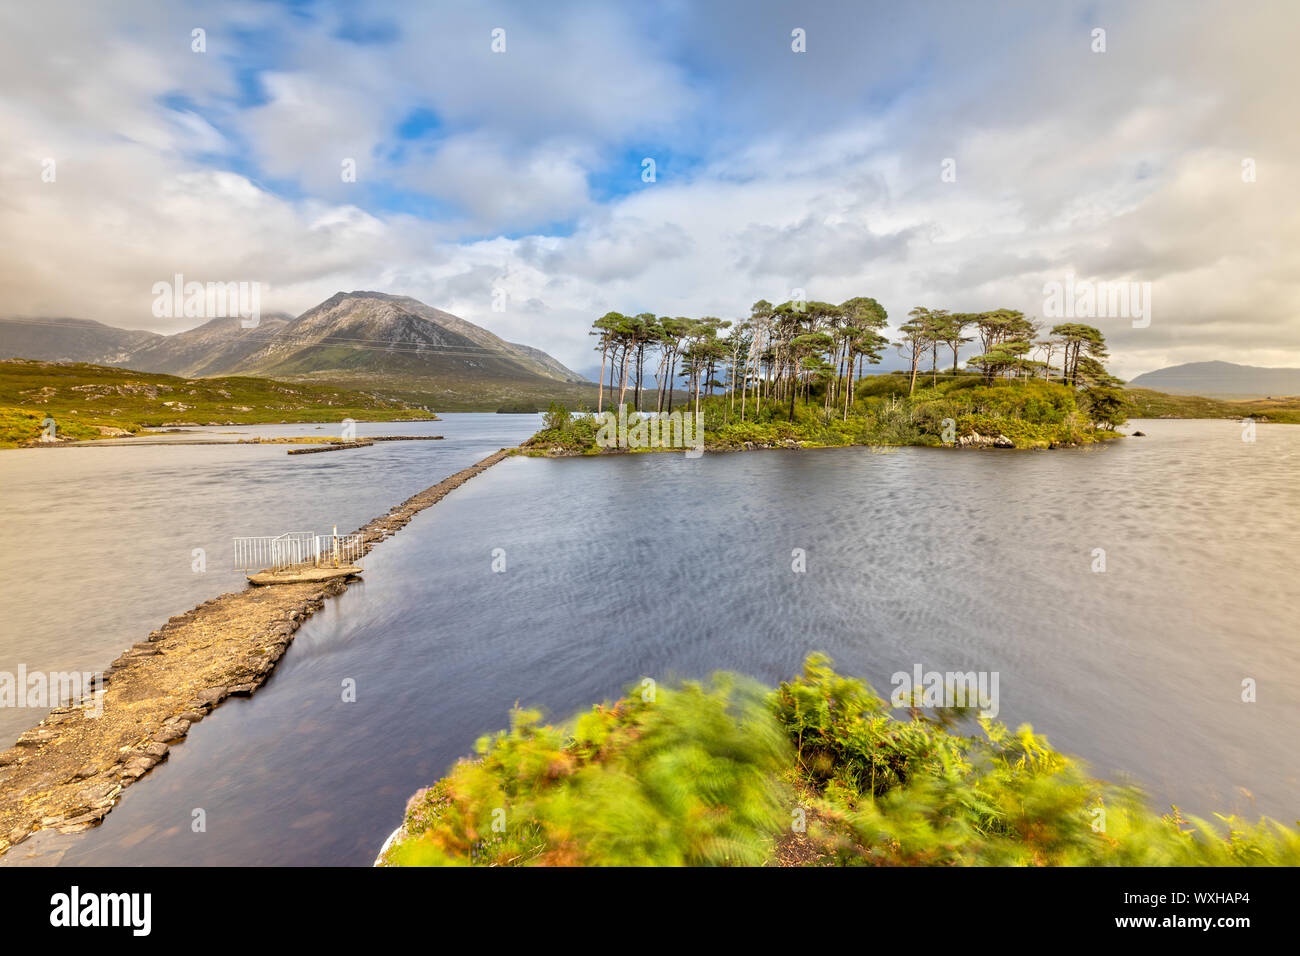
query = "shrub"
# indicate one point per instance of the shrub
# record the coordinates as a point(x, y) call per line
point(556, 418)
point(692, 778)
point(716, 773)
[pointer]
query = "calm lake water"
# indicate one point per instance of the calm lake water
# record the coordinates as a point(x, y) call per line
point(655, 565)
point(99, 542)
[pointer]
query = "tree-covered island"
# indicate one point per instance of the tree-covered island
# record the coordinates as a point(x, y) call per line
point(799, 373)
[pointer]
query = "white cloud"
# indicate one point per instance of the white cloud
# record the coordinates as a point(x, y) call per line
point(798, 173)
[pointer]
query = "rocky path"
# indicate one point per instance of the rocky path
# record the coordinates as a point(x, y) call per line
point(69, 770)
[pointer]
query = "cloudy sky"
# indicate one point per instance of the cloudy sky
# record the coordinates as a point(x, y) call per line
point(775, 170)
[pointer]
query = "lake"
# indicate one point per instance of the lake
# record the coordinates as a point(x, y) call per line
point(655, 565)
point(100, 541)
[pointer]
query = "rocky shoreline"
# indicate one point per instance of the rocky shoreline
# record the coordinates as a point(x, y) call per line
point(68, 771)
point(974, 440)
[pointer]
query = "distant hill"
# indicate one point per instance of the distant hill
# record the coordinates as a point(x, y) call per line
point(364, 340)
point(1221, 380)
point(71, 340)
point(212, 348)
point(92, 401)
point(1149, 404)
point(537, 355)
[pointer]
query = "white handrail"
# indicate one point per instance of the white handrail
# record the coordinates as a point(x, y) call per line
point(298, 549)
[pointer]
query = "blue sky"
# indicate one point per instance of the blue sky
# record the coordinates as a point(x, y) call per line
point(775, 170)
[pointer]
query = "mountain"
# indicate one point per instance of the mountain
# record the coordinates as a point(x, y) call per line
point(71, 340)
point(209, 349)
point(561, 371)
point(369, 340)
point(372, 331)
point(1221, 380)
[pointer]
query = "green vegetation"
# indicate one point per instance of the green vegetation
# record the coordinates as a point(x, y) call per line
point(816, 772)
point(1032, 413)
point(450, 389)
point(1149, 404)
point(93, 401)
point(521, 407)
point(794, 374)
point(801, 349)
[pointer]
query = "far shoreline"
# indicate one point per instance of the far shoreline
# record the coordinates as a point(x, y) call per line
point(127, 439)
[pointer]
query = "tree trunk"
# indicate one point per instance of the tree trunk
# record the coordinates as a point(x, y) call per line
point(600, 391)
point(848, 386)
point(636, 393)
point(672, 376)
point(622, 384)
point(793, 389)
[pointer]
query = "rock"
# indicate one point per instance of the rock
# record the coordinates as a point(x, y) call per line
point(213, 695)
point(193, 716)
point(242, 690)
point(1138, 435)
point(138, 766)
point(83, 822)
point(35, 738)
point(172, 731)
point(153, 749)
point(99, 796)
point(1002, 441)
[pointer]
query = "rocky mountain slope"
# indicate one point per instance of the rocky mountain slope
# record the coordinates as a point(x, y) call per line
point(369, 340)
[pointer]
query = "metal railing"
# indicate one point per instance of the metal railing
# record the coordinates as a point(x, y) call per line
point(297, 549)
point(338, 550)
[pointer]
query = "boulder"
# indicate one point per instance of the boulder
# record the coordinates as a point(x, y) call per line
point(171, 731)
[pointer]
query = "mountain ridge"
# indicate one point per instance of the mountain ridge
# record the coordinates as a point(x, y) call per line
point(355, 339)
point(1218, 379)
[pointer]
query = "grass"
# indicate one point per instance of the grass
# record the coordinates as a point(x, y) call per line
point(816, 772)
point(86, 400)
point(452, 390)
point(1149, 404)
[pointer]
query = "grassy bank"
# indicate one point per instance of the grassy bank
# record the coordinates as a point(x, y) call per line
point(1030, 414)
point(816, 772)
point(92, 401)
point(1148, 404)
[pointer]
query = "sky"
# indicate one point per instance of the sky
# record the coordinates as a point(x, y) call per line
point(947, 155)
